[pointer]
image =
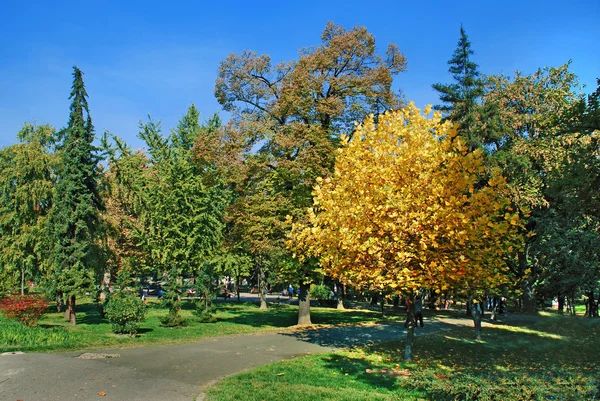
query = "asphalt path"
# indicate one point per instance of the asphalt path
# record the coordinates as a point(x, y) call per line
point(174, 372)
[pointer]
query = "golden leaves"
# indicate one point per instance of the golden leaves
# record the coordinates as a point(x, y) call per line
point(405, 210)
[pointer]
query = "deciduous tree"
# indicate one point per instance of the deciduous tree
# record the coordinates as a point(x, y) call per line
point(295, 111)
point(406, 210)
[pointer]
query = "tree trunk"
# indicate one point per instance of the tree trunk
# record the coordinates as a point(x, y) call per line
point(590, 304)
point(528, 298)
point(495, 304)
point(262, 288)
point(561, 303)
point(104, 286)
point(382, 304)
point(237, 288)
point(374, 300)
point(341, 289)
point(304, 305)
point(432, 300)
point(340, 303)
point(476, 314)
point(67, 308)
point(72, 310)
point(410, 326)
point(58, 302)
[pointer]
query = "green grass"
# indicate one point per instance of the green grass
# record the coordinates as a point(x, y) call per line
point(92, 331)
point(555, 358)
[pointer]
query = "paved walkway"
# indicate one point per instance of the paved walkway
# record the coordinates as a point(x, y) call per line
point(174, 372)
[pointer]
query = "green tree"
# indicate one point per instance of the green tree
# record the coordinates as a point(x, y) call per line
point(532, 147)
point(74, 217)
point(174, 204)
point(26, 192)
point(460, 99)
point(294, 112)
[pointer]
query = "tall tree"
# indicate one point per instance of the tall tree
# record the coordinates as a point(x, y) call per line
point(533, 142)
point(295, 112)
point(174, 202)
point(77, 202)
point(26, 192)
point(406, 210)
point(460, 99)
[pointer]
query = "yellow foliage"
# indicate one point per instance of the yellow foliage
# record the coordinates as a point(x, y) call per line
point(406, 209)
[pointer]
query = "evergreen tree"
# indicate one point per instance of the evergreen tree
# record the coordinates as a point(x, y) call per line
point(77, 202)
point(460, 98)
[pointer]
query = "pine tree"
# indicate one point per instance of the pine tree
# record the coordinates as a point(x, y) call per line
point(77, 202)
point(460, 98)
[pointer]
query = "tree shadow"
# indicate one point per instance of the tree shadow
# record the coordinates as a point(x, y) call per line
point(89, 313)
point(282, 315)
point(363, 370)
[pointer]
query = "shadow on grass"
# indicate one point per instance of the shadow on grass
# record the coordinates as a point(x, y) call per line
point(89, 313)
point(283, 315)
point(355, 336)
point(361, 369)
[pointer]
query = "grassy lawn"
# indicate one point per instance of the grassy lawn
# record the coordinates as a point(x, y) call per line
point(554, 358)
point(92, 331)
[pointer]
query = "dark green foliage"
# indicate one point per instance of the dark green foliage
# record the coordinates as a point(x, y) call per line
point(125, 312)
point(460, 98)
point(74, 217)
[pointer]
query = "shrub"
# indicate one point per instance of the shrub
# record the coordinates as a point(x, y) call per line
point(27, 309)
point(125, 312)
point(173, 319)
point(205, 317)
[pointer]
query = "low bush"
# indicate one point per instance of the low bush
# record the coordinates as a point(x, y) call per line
point(205, 317)
point(28, 309)
point(125, 312)
point(173, 319)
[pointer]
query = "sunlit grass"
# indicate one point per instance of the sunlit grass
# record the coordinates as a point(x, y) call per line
point(552, 359)
point(92, 331)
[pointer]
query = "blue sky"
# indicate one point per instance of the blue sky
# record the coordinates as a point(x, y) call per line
point(157, 57)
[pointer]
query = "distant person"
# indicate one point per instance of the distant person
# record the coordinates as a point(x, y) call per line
point(160, 292)
point(290, 291)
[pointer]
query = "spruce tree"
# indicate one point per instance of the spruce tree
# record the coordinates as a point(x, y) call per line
point(460, 98)
point(77, 202)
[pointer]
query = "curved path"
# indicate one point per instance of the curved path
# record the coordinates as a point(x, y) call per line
point(174, 372)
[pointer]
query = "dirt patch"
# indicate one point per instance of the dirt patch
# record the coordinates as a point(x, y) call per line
point(94, 355)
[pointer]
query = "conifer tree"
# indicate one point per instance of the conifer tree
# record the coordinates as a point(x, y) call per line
point(77, 202)
point(460, 98)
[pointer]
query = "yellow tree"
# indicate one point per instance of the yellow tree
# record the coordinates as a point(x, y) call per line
point(408, 207)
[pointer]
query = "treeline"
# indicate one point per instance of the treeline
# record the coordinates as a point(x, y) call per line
point(210, 200)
